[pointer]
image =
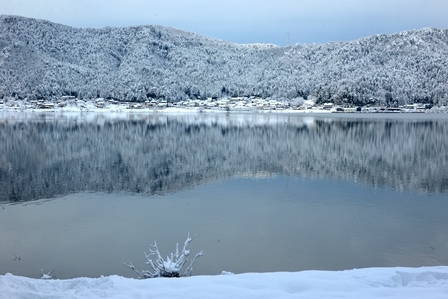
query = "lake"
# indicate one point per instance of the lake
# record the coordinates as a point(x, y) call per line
point(82, 193)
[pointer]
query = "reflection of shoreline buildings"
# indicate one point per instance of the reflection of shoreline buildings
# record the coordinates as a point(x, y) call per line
point(158, 153)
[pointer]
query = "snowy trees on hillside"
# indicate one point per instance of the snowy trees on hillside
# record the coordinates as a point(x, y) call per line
point(139, 63)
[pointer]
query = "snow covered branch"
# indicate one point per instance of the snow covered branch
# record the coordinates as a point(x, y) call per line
point(46, 275)
point(169, 267)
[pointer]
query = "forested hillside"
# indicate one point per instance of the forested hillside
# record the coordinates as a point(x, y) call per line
point(40, 59)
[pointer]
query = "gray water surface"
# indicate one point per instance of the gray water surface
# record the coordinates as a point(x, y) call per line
point(243, 225)
point(262, 192)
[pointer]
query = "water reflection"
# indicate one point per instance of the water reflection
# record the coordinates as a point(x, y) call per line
point(243, 225)
point(42, 156)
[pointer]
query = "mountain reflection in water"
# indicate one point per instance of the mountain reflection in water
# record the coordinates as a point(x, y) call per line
point(43, 156)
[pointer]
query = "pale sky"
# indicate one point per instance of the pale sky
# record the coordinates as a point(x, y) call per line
point(245, 21)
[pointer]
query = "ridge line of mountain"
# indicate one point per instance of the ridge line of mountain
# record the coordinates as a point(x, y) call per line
point(41, 60)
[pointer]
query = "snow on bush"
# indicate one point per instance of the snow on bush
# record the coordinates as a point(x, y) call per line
point(46, 275)
point(171, 266)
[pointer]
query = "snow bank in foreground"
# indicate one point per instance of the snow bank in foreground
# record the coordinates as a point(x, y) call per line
point(426, 282)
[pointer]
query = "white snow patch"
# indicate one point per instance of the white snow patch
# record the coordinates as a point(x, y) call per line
point(425, 282)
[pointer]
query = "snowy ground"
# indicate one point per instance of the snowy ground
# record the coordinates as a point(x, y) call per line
point(90, 107)
point(239, 106)
point(426, 282)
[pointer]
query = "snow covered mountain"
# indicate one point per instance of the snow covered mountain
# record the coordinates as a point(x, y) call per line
point(40, 59)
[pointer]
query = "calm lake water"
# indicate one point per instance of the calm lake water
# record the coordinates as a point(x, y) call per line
point(82, 193)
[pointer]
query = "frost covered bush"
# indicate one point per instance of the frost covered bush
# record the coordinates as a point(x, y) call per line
point(46, 275)
point(171, 266)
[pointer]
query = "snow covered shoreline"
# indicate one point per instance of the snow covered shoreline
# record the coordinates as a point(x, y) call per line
point(234, 105)
point(399, 282)
point(198, 110)
point(105, 107)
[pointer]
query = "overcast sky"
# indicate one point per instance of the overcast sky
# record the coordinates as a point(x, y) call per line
point(245, 21)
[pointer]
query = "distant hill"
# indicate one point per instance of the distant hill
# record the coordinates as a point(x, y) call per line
point(40, 59)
